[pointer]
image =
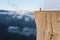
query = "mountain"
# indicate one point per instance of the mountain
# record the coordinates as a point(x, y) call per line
point(4, 11)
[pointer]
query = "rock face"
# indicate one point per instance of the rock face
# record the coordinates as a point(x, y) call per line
point(48, 25)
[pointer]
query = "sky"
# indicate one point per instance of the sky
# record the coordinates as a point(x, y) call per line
point(51, 5)
point(30, 5)
point(20, 4)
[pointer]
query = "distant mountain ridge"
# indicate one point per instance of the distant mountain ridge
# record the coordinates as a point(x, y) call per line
point(4, 11)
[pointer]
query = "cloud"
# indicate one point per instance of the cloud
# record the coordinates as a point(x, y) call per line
point(25, 31)
point(28, 31)
point(10, 13)
point(27, 19)
point(20, 17)
point(13, 29)
point(31, 16)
